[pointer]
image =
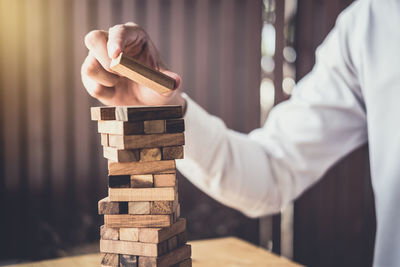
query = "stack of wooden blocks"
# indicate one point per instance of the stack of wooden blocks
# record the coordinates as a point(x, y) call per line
point(142, 224)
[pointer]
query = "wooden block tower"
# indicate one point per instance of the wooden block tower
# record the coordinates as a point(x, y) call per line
point(142, 224)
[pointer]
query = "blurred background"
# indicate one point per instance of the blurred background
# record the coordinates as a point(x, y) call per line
point(237, 58)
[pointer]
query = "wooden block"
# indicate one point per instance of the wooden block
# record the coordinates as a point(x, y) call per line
point(119, 181)
point(128, 260)
point(102, 113)
point(172, 152)
point(109, 233)
point(150, 154)
point(132, 168)
point(110, 260)
point(139, 207)
point(163, 207)
point(130, 248)
point(129, 234)
point(175, 126)
point(142, 74)
point(164, 180)
point(182, 238)
point(120, 155)
point(172, 243)
point(120, 127)
point(141, 180)
point(146, 141)
point(128, 220)
point(158, 235)
point(171, 258)
point(155, 126)
point(142, 194)
point(184, 263)
point(137, 113)
point(105, 206)
point(104, 139)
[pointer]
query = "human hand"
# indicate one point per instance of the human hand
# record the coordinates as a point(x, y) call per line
point(110, 88)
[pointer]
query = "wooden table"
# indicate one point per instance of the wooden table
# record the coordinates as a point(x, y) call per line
point(226, 252)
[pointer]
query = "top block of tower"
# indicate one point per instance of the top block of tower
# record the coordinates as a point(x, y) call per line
point(142, 74)
point(136, 113)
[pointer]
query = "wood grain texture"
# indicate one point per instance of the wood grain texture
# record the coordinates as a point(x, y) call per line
point(150, 154)
point(139, 207)
point(163, 207)
point(109, 233)
point(142, 194)
point(164, 180)
point(120, 127)
point(172, 152)
point(132, 168)
point(129, 234)
point(105, 206)
point(155, 126)
point(119, 155)
point(128, 260)
point(175, 126)
point(168, 259)
point(146, 141)
point(141, 180)
point(157, 235)
point(110, 260)
point(136, 113)
point(129, 247)
point(172, 243)
point(142, 74)
point(128, 221)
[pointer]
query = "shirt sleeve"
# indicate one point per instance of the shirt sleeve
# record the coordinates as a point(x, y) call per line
point(260, 173)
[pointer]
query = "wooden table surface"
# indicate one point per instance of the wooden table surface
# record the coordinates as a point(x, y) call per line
point(227, 252)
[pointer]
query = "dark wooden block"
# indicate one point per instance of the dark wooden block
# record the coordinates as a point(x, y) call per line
point(175, 126)
point(140, 113)
point(171, 258)
point(172, 152)
point(119, 181)
point(128, 260)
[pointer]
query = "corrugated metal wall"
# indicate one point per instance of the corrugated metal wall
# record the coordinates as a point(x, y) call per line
point(51, 168)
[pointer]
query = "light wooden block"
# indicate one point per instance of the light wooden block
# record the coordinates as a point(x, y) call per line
point(150, 154)
point(129, 234)
point(128, 221)
point(142, 74)
point(175, 126)
point(104, 140)
point(163, 207)
point(139, 207)
point(119, 181)
point(158, 235)
point(155, 126)
point(130, 248)
point(120, 127)
point(142, 194)
point(109, 233)
point(136, 113)
point(146, 141)
point(164, 180)
point(105, 206)
point(172, 152)
point(151, 167)
point(110, 260)
point(128, 260)
point(120, 155)
point(167, 260)
point(141, 180)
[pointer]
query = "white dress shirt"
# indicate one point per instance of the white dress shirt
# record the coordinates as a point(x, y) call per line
point(352, 96)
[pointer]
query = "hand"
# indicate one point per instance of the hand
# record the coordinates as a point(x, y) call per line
point(110, 88)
